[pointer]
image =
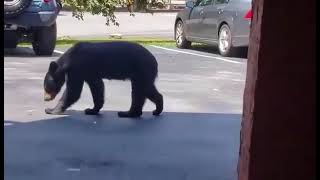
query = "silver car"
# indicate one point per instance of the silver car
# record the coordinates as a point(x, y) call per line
point(225, 23)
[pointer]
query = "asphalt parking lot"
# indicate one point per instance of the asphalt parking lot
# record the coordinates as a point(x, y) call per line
point(197, 136)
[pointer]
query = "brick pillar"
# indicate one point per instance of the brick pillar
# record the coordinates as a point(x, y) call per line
point(278, 126)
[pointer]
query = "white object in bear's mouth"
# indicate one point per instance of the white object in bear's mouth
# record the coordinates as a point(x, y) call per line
point(47, 96)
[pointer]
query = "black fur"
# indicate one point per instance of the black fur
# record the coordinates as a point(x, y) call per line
point(91, 62)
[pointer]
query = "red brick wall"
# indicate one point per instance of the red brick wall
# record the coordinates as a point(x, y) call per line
point(278, 128)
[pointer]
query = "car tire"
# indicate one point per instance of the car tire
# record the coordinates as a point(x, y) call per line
point(13, 8)
point(10, 44)
point(225, 41)
point(180, 38)
point(44, 40)
point(11, 39)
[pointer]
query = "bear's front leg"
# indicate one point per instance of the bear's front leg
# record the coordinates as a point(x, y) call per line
point(97, 90)
point(58, 110)
point(69, 97)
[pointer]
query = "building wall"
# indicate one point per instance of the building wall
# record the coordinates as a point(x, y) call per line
point(278, 127)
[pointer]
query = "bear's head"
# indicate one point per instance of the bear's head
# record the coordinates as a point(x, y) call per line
point(53, 81)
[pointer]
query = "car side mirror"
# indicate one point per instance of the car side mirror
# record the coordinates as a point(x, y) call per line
point(190, 4)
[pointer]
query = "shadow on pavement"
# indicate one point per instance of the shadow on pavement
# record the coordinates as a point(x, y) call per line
point(24, 52)
point(172, 146)
point(241, 52)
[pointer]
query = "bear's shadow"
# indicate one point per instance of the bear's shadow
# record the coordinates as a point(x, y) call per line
point(147, 115)
point(175, 122)
point(106, 143)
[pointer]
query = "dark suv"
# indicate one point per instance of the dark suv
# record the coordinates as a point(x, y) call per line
point(31, 21)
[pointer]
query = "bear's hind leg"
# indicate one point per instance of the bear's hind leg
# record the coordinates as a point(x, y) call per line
point(97, 90)
point(154, 96)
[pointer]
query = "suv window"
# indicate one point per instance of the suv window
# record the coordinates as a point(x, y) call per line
point(204, 2)
point(221, 1)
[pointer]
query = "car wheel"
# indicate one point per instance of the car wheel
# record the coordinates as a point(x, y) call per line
point(180, 38)
point(10, 44)
point(44, 40)
point(11, 39)
point(14, 7)
point(225, 41)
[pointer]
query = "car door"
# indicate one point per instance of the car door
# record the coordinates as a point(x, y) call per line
point(211, 22)
point(194, 24)
point(207, 22)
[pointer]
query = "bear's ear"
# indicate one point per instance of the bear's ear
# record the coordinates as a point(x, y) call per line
point(53, 67)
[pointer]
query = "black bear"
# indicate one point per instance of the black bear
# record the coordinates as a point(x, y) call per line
point(90, 63)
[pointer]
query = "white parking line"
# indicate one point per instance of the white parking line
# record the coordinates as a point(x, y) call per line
point(8, 124)
point(59, 52)
point(195, 54)
point(184, 52)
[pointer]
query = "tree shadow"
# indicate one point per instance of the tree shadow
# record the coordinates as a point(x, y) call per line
point(22, 52)
point(175, 146)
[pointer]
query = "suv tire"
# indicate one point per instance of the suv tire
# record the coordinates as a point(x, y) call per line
point(13, 8)
point(11, 39)
point(44, 40)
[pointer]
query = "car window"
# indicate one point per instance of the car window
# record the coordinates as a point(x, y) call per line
point(221, 1)
point(204, 2)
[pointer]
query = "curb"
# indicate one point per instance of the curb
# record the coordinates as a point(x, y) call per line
point(65, 8)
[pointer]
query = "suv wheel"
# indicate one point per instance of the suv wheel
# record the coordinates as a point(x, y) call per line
point(44, 40)
point(10, 39)
point(10, 44)
point(180, 38)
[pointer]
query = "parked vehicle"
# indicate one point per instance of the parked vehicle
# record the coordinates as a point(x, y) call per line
point(225, 23)
point(31, 21)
